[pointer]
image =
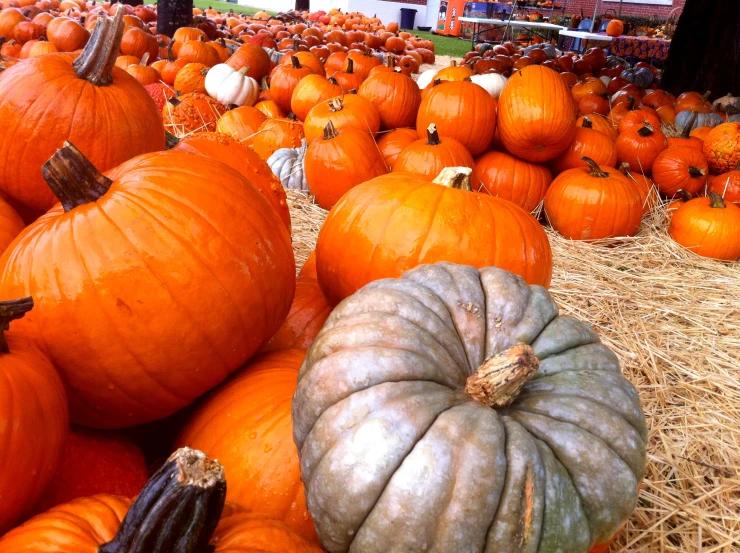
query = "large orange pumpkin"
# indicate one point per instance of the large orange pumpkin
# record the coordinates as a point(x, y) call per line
point(722, 147)
point(339, 161)
point(254, 441)
point(33, 419)
point(229, 151)
point(536, 114)
point(310, 91)
point(593, 203)
point(709, 227)
point(505, 176)
point(461, 110)
point(46, 100)
point(344, 112)
point(180, 510)
point(146, 269)
point(396, 222)
point(430, 155)
point(396, 97)
point(306, 317)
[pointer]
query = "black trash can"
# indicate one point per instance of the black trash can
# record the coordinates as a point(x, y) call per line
point(407, 18)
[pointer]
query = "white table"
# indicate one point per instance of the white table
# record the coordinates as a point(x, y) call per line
point(582, 35)
point(477, 22)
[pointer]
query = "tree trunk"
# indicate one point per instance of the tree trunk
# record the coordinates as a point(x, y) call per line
point(705, 50)
point(302, 5)
point(173, 14)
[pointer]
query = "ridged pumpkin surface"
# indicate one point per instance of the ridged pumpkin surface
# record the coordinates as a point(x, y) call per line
point(722, 147)
point(395, 455)
point(505, 176)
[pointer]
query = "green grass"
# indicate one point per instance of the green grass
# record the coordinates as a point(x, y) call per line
point(221, 6)
point(446, 45)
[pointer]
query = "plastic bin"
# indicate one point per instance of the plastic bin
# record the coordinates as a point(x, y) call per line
point(408, 16)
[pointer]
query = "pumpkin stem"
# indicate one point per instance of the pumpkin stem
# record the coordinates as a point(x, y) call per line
point(432, 135)
point(683, 195)
point(332, 80)
point(686, 132)
point(715, 200)
point(595, 169)
point(350, 66)
point(390, 61)
point(175, 101)
point(295, 62)
point(498, 381)
point(455, 177)
point(624, 168)
point(329, 131)
point(586, 123)
point(73, 178)
point(170, 140)
point(647, 130)
point(335, 105)
point(177, 510)
point(98, 58)
point(144, 59)
point(706, 95)
point(696, 172)
point(9, 311)
point(244, 70)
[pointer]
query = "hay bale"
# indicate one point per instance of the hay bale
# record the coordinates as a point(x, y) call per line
point(673, 318)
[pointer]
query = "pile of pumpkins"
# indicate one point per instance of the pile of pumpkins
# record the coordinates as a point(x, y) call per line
point(149, 297)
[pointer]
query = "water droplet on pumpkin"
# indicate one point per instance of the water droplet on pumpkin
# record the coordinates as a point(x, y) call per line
point(111, 386)
point(252, 435)
point(293, 506)
point(267, 448)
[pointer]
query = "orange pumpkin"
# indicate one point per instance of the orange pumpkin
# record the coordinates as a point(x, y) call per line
point(11, 223)
point(276, 133)
point(270, 109)
point(150, 210)
point(396, 97)
point(441, 220)
point(430, 155)
point(284, 79)
point(640, 147)
point(229, 151)
point(638, 118)
point(47, 100)
point(505, 176)
point(680, 168)
point(33, 419)
point(255, 438)
point(727, 185)
point(136, 42)
point(392, 143)
point(191, 79)
point(142, 72)
point(350, 111)
point(307, 59)
point(252, 56)
point(199, 51)
point(722, 147)
point(536, 114)
point(593, 203)
point(461, 110)
point(709, 227)
point(597, 123)
point(310, 91)
point(589, 143)
point(241, 123)
point(339, 161)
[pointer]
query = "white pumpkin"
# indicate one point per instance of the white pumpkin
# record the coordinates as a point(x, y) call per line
point(231, 87)
point(426, 77)
point(287, 165)
point(493, 83)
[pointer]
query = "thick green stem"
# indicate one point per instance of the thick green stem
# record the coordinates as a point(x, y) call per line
point(11, 310)
point(73, 178)
point(178, 509)
point(98, 58)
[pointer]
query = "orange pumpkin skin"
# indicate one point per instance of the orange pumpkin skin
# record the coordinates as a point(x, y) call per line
point(722, 147)
point(312, 90)
point(589, 204)
point(640, 147)
point(396, 97)
point(43, 102)
point(269, 108)
point(638, 118)
point(340, 161)
point(680, 168)
point(83, 525)
point(727, 185)
point(505, 176)
point(241, 123)
point(11, 224)
point(443, 106)
point(348, 111)
point(229, 151)
point(274, 134)
point(195, 112)
point(306, 317)
point(283, 81)
point(708, 226)
point(33, 426)
point(252, 56)
point(160, 207)
point(597, 123)
point(430, 155)
point(536, 114)
point(701, 133)
point(392, 226)
point(255, 439)
point(309, 267)
point(191, 78)
point(392, 143)
point(589, 143)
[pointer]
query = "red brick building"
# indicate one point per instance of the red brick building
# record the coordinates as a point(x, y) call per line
point(658, 8)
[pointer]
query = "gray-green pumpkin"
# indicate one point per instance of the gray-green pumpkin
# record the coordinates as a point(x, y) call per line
point(398, 456)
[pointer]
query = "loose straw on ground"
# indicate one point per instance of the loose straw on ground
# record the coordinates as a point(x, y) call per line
point(674, 320)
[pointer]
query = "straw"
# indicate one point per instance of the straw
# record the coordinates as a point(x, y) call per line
point(673, 318)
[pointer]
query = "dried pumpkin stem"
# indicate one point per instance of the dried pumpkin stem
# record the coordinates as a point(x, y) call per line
point(170, 140)
point(647, 130)
point(587, 123)
point(433, 135)
point(455, 177)
point(295, 62)
point(98, 58)
point(73, 178)
point(11, 310)
point(498, 381)
point(350, 66)
point(696, 172)
point(332, 80)
point(329, 131)
point(595, 169)
point(686, 133)
point(335, 105)
point(683, 195)
point(177, 510)
point(716, 201)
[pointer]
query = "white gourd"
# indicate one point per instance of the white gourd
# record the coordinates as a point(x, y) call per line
point(426, 77)
point(287, 165)
point(493, 83)
point(231, 87)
